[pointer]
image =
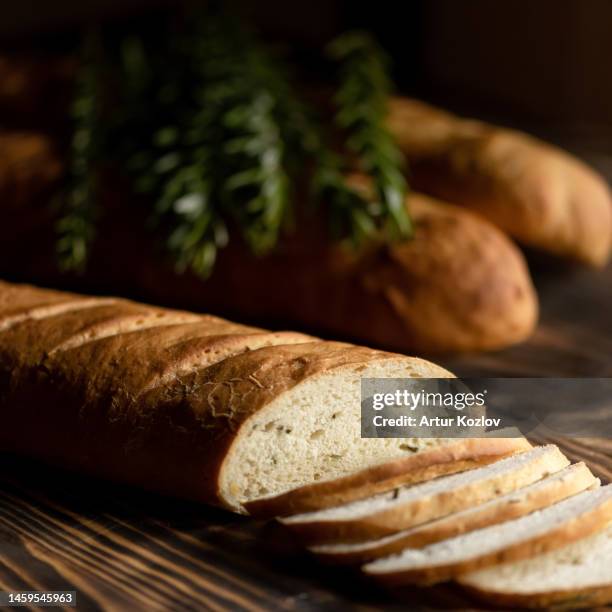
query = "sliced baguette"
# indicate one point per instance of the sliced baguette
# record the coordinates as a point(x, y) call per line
point(578, 575)
point(542, 493)
point(424, 463)
point(545, 530)
point(413, 505)
point(192, 405)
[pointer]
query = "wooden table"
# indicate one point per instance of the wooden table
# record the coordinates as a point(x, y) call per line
point(125, 550)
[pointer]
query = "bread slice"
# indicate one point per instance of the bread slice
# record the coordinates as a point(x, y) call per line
point(537, 533)
point(412, 505)
point(542, 493)
point(578, 575)
point(424, 463)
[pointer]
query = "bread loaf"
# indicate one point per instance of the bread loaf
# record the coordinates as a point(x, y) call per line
point(540, 195)
point(30, 169)
point(190, 405)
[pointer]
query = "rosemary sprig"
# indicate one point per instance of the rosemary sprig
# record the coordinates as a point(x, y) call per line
point(220, 155)
point(351, 214)
point(350, 211)
point(208, 124)
point(76, 225)
point(361, 101)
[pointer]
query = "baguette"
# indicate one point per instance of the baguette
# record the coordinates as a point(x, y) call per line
point(459, 285)
point(192, 405)
point(542, 493)
point(408, 506)
point(540, 195)
point(545, 530)
point(575, 576)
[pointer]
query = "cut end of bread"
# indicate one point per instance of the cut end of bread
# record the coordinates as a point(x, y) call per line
point(312, 433)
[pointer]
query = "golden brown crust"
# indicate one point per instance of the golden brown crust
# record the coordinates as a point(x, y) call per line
point(539, 194)
point(148, 345)
point(580, 527)
point(459, 455)
point(230, 391)
point(451, 526)
point(459, 284)
point(15, 298)
point(165, 396)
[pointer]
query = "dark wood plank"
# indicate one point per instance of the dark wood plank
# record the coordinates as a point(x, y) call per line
point(123, 549)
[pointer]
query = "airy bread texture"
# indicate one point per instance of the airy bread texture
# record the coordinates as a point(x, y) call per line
point(311, 431)
point(545, 530)
point(540, 195)
point(412, 505)
point(424, 462)
point(540, 494)
point(575, 576)
point(200, 407)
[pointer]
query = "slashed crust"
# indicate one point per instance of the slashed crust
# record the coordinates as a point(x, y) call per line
point(160, 396)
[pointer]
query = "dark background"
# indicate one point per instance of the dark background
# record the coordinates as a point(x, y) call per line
point(541, 64)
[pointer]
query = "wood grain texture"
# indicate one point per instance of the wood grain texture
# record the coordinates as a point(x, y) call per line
point(126, 550)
